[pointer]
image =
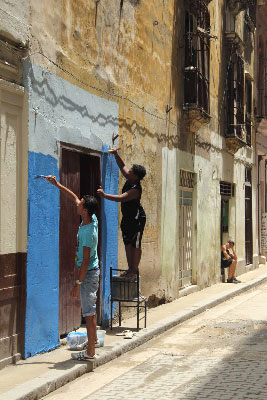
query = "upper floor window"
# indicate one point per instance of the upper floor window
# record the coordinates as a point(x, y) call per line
point(251, 10)
point(197, 54)
point(248, 111)
point(235, 99)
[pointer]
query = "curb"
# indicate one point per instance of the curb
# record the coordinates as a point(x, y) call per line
point(39, 387)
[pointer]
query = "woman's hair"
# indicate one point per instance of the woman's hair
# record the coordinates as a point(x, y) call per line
point(139, 171)
point(90, 203)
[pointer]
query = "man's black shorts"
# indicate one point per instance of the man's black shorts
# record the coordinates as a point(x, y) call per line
point(132, 231)
point(226, 263)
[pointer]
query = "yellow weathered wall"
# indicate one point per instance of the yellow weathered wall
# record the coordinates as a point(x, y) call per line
point(137, 52)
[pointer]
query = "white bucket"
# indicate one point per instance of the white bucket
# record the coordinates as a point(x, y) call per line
point(101, 336)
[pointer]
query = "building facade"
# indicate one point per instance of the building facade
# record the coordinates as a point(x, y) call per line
point(261, 123)
point(175, 80)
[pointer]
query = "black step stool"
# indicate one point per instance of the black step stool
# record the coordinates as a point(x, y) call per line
point(126, 290)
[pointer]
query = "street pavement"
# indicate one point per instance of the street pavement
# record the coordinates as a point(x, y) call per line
point(219, 354)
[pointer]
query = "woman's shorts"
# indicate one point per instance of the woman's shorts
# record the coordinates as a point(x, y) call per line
point(132, 231)
point(88, 292)
point(226, 263)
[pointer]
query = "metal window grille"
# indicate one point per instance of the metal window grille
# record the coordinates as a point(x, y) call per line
point(227, 189)
point(186, 179)
point(248, 175)
point(239, 115)
point(235, 99)
point(196, 75)
point(248, 111)
point(251, 11)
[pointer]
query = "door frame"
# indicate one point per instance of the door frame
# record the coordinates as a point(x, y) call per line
point(95, 153)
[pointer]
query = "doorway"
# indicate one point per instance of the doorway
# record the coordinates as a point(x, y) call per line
point(81, 173)
point(227, 192)
point(248, 216)
point(185, 228)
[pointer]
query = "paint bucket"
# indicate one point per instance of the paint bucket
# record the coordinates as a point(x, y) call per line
point(76, 338)
point(101, 336)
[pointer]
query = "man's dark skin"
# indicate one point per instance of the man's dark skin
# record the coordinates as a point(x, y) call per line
point(232, 268)
point(133, 254)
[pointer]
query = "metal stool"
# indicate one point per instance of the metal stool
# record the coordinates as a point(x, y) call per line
point(127, 291)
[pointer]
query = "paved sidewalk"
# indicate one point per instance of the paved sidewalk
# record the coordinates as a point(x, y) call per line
point(37, 376)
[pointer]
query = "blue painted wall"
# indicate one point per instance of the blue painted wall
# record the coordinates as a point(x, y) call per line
point(110, 182)
point(61, 112)
point(41, 324)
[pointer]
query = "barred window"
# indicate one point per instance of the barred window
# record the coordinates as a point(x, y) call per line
point(235, 99)
point(248, 111)
point(186, 179)
point(251, 10)
point(227, 189)
point(197, 52)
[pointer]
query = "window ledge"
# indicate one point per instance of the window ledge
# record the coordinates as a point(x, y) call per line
point(196, 116)
point(234, 143)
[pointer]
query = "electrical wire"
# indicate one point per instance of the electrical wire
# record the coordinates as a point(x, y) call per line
point(208, 146)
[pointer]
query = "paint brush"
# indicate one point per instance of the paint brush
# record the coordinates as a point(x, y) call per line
point(112, 150)
point(39, 176)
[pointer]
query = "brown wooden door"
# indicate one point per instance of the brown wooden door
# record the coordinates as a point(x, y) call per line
point(248, 224)
point(80, 173)
point(69, 309)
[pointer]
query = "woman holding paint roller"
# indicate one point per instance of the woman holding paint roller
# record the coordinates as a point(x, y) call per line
point(133, 215)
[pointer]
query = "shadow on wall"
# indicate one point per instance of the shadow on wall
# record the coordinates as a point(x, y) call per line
point(44, 89)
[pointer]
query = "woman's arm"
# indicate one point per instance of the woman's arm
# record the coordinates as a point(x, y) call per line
point(124, 170)
point(52, 179)
point(83, 270)
point(120, 198)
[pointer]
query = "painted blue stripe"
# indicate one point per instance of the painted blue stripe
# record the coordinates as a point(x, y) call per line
point(110, 184)
point(42, 299)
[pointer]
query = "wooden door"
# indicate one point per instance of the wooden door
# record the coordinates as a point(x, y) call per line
point(248, 216)
point(69, 309)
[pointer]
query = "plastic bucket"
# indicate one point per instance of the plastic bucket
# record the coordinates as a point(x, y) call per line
point(76, 338)
point(101, 336)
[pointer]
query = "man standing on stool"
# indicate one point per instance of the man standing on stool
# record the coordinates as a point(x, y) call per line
point(229, 259)
point(87, 262)
point(133, 215)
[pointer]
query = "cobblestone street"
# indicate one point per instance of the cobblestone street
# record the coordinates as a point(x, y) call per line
point(220, 354)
